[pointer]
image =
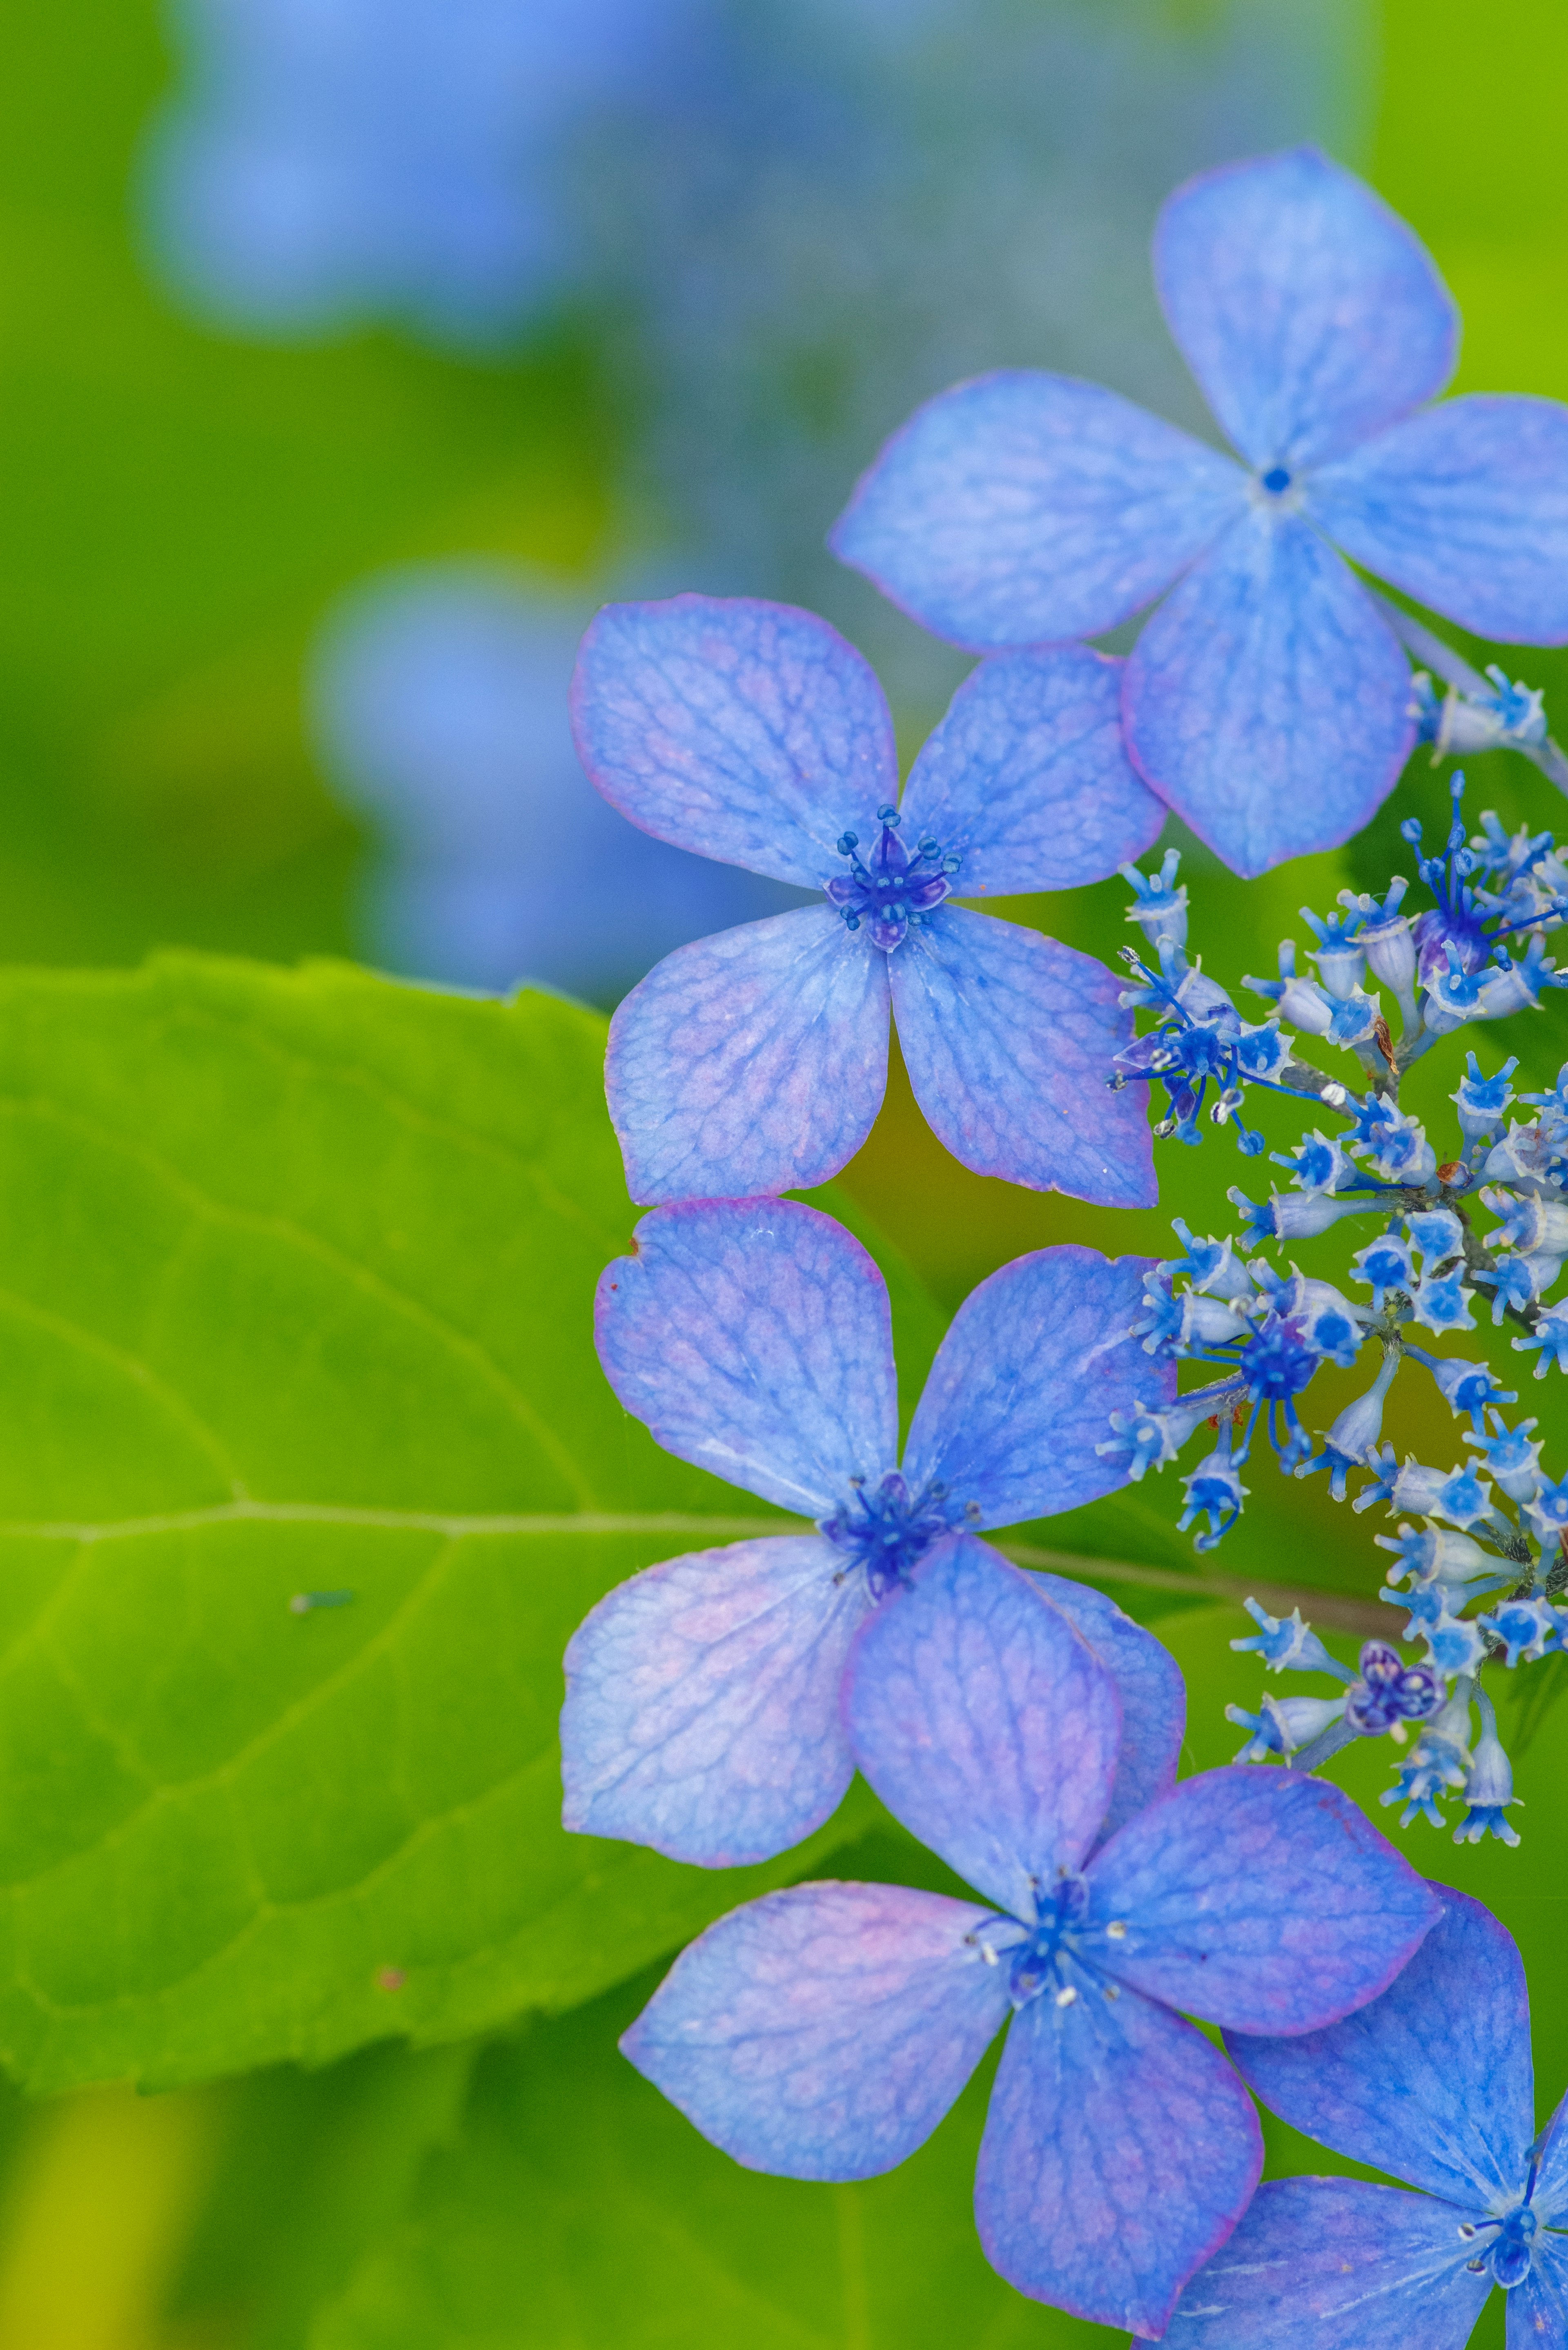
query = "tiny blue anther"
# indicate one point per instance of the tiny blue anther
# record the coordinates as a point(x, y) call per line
point(1276, 480)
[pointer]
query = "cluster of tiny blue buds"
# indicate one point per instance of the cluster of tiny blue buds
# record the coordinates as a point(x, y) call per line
point(1493, 1523)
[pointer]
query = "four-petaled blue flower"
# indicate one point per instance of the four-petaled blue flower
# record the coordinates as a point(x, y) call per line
point(753, 1338)
point(824, 2032)
point(1433, 2083)
point(756, 1061)
point(1268, 699)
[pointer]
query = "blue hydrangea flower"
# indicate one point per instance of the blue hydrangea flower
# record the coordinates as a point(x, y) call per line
point(1268, 699)
point(756, 1060)
point(1433, 2083)
point(753, 1338)
point(824, 2032)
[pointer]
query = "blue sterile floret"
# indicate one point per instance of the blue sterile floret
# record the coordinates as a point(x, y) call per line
point(1038, 1761)
point(1320, 333)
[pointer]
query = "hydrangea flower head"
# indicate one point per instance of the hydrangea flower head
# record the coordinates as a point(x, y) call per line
point(756, 1060)
point(753, 1338)
point(1433, 2083)
point(1268, 699)
point(823, 2032)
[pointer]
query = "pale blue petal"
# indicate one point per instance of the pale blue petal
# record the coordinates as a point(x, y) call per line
point(1150, 1684)
point(753, 1338)
point(985, 1722)
point(701, 1713)
point(1033, 1364)
point(1432, 2082)
point(1538, 2309)
point(1335, 2264)
point(1024, 507)
point(1466, 508)
point(1119, 2152)
point(749, 731)
point(1310, 314)
point(752, 1061)
point(823, 2033)
point(1027, 777)
point(1258, 1899)
point(1010, 1039)
point(1268, 699)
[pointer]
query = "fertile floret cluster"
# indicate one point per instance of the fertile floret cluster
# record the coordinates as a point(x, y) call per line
point(1493, 1522)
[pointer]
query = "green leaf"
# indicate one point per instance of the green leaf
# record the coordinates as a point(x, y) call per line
point(581, 2210)
point(313, 2169)
point(294, 1283)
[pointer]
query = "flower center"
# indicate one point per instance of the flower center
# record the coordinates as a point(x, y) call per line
point(891, 889)
point(1276, 480)
point(1507, 2256)
point(884, 1529)
point(1033, 1967)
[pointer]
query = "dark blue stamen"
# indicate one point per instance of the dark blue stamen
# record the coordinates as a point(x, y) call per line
point(892, 889)
point(884, 1529)
point(1276, 479)
point(1056, 1914)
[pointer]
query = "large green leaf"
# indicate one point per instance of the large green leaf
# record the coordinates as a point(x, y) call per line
point(295, 1285)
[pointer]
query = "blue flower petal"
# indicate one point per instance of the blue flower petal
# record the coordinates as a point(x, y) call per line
point(747, 731)
point(752, 1061)
point(985, 1722)
point(1258, 1900)
point(1023, 1385)
point(1010, 1039)
point(1027, 778)
point(1023, 507)
point(1432, 2082)
point(753, 1338)
point(1119, 2152)
point(1267, 699)
point(1538, 2308)
point(823, 2032)
point(701, 1713)
point(1311, 316)
point(1467, 508)
point(1150, 1684)
point(1336, 2264)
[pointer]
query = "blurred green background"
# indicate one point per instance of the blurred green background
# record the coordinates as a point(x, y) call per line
point(180, 508)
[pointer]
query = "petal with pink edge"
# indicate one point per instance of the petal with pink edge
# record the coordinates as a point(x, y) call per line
point(823, 2033)
point(754, 1061)
point(746, 731)
point(1027, 777)
point(753, 1338)
point(1263, 1900)
point(1310, 314)
point(1023, 507)
point(701, 1713)
point(985, 1722)
point(1119, 2152)
point(1010, 1039)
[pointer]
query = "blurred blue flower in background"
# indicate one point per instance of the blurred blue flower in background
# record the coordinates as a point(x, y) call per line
point(334, 161)
point(792, 219)
point(439, 707)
